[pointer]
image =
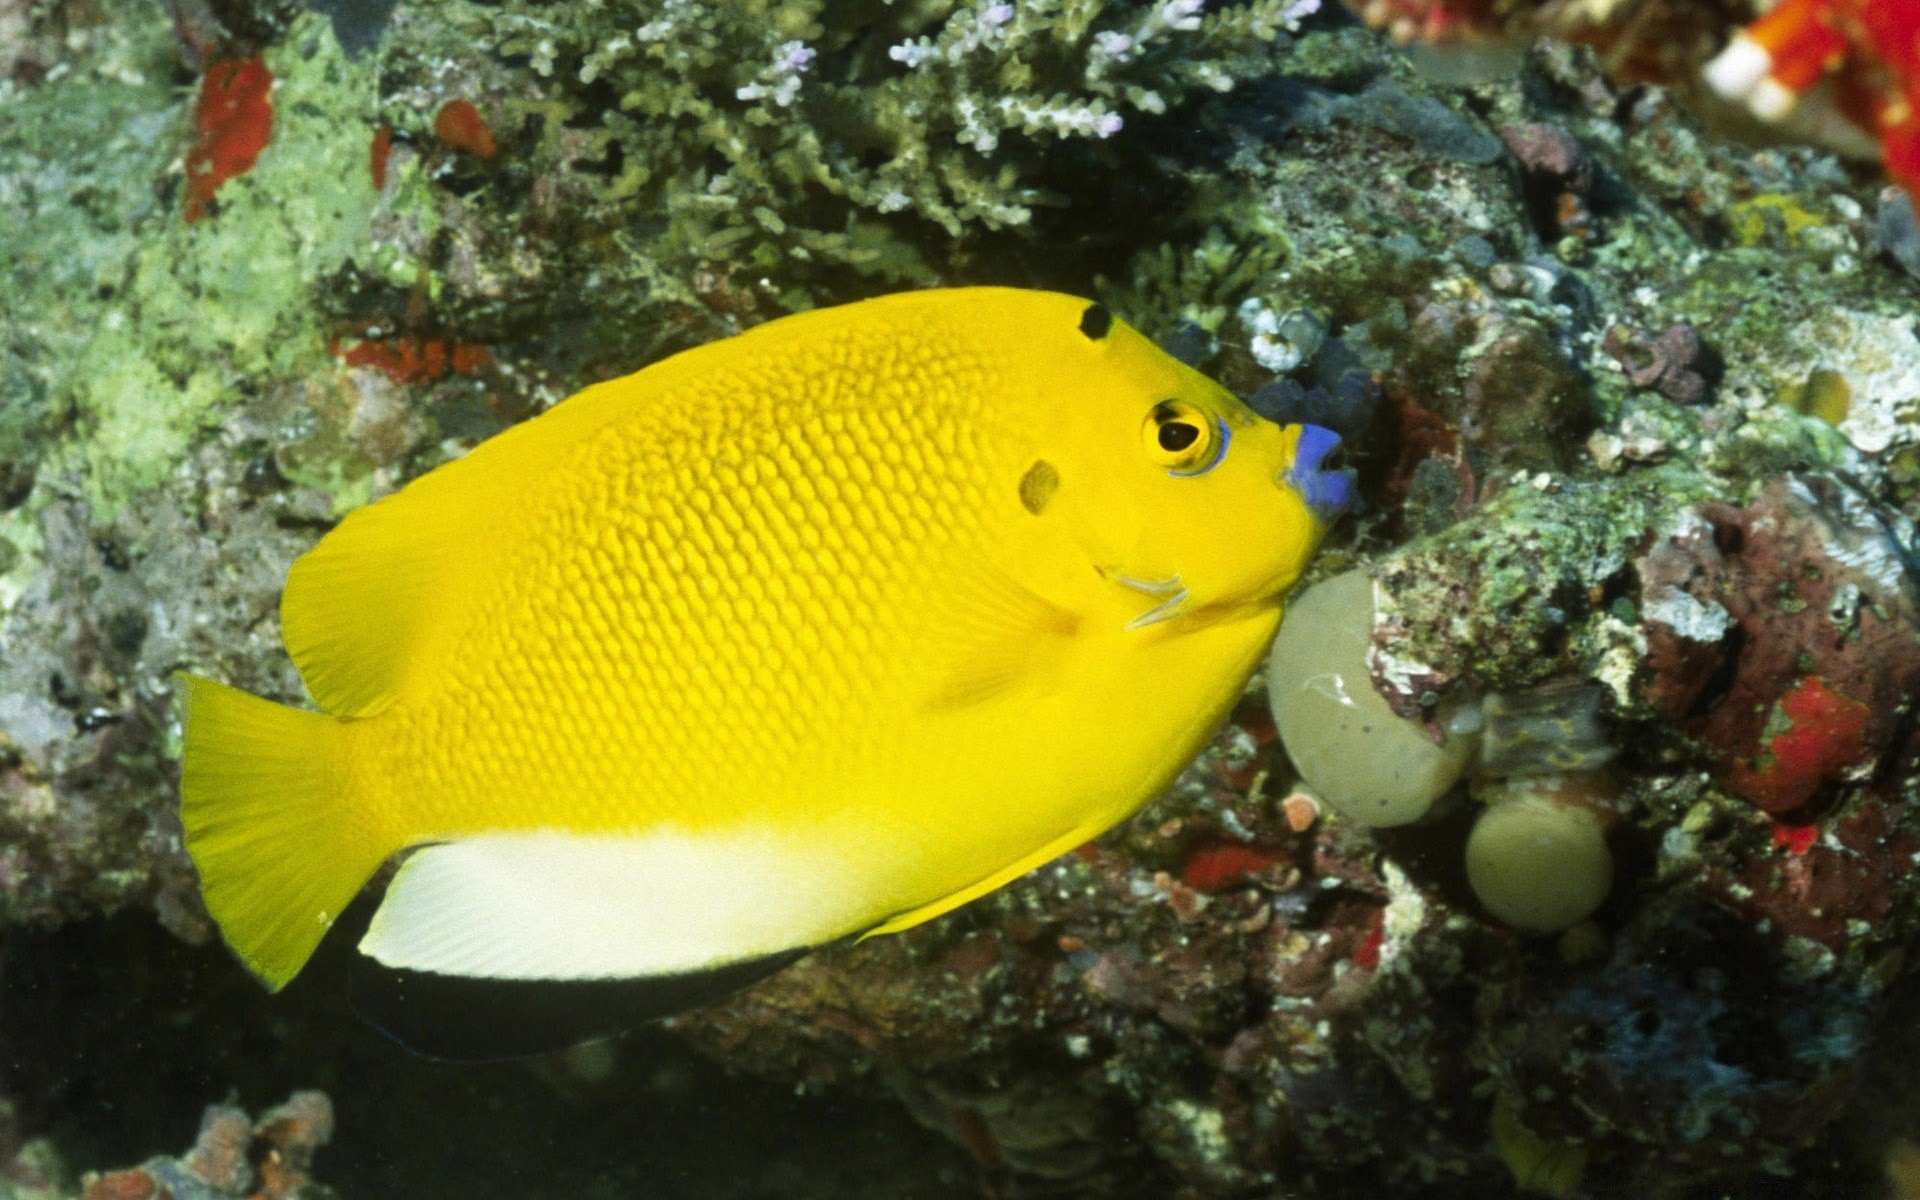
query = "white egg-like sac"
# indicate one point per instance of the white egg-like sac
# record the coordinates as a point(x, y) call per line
point(1364, 760)
point(1537, 858)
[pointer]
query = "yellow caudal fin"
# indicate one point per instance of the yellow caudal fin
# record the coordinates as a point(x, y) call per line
point(264, 801)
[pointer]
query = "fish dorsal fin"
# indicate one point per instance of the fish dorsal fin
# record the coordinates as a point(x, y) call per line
point(379, 593)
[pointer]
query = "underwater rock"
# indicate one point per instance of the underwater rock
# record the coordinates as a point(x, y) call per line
point(1896, 230)
point(1785, 636)
point(1668, 362)
point(1657, 1051)
point(110, 610)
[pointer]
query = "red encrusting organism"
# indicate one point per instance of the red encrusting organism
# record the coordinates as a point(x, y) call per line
point(413, 359)
point(1795, 839)
point(382, 150)
point(234, 120)
point(1824, 734)
point(1367, 957)
point(1213, 867)
point(459, 125)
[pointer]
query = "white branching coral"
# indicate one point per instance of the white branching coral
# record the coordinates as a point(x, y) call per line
point(996, 68)
point(780, 80)
point(1060, 116)
point(983, 28)
point(745, 119)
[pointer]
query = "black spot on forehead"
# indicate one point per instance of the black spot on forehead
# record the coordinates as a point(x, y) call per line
point(1096, 321)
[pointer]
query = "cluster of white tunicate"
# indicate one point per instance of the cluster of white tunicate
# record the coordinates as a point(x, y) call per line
point(1537, 857)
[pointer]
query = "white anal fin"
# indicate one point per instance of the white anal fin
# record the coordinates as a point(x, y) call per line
point(551, 905)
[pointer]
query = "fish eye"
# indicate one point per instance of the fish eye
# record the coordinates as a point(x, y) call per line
point(1176, 436)
point(1184, 438)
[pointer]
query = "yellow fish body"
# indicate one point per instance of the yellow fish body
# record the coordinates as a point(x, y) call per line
point(820, 630)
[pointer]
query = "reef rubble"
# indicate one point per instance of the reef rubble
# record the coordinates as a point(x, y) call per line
point(232, 1156)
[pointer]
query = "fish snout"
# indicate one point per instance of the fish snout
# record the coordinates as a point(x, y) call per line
point(1328, 488)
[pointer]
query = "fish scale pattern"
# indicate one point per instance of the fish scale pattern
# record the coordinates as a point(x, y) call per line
point(719, 609)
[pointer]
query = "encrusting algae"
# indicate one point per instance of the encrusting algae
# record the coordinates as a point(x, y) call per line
point(819, 631)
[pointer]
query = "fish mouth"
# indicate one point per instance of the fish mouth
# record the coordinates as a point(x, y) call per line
point(1328, 490)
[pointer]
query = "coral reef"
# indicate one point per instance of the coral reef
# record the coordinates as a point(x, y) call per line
point(265, 1159)
point(1636, 413)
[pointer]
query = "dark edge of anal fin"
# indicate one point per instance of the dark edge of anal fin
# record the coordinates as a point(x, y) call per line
point(468, 1019)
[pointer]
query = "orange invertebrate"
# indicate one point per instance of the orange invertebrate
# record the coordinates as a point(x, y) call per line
point(458, 124)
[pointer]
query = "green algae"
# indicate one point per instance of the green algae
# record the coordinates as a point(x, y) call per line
point(1772, 218)
point(1517, 595)
point(72, 226)
point(141, 327)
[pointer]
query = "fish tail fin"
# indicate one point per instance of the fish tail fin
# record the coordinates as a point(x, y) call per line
point(266, 803)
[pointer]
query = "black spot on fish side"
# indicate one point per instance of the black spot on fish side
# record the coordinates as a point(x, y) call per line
point(468, 1019)
point(1096, 321)
point(1038, 485)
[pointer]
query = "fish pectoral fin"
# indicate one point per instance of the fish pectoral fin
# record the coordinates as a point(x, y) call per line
point(1005, 636)
point(1170, 592)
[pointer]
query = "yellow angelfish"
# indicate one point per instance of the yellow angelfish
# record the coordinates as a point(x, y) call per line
point(817, 631)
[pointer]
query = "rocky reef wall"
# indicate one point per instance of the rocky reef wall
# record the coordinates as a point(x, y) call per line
point(1636, 412)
